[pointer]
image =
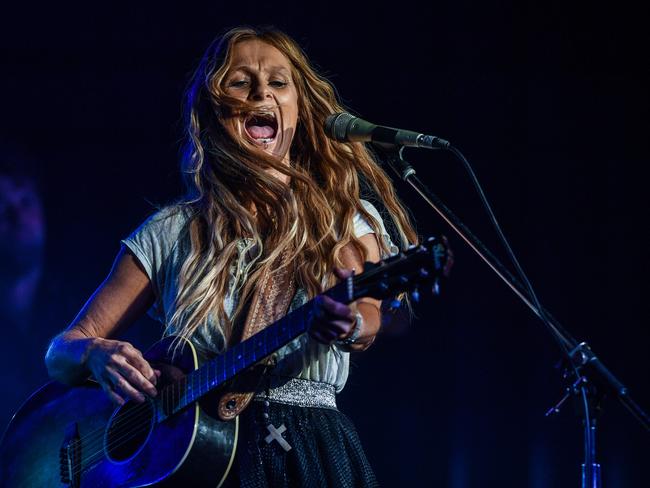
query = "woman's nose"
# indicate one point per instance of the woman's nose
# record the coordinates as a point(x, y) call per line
point(260, 92)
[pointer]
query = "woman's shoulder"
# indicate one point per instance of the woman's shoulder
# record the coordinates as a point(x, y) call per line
point(153, 241)
point(169, 215)
point(165, 222)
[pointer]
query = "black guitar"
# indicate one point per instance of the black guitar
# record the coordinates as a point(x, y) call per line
point(75, 437)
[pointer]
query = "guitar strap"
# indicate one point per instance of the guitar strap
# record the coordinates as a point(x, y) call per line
point(270, 302)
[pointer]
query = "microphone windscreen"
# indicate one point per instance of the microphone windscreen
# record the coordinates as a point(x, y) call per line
point(336, 126)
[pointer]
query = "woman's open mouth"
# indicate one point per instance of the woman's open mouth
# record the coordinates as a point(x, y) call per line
point(262, 127)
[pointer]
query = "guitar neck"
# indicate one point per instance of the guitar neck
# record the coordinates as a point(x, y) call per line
point(224, 367)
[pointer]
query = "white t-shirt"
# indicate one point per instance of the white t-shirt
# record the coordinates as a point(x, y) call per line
point(161, 244)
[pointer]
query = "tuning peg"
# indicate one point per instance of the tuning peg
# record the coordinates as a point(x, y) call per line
point(403, 280)
point(395, 303)
point(423, 273)
point(415, 295)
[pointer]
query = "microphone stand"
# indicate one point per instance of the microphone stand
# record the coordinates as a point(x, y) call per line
point(592, 378)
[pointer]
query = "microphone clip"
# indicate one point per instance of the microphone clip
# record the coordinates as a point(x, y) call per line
point(394, 156)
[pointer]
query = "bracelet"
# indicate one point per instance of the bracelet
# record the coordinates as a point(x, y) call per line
point(356, 332)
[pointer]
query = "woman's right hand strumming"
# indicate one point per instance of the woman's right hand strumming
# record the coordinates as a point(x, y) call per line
point(86, 347)
point(121, 370)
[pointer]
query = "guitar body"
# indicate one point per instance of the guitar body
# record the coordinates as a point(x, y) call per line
point(69, 437)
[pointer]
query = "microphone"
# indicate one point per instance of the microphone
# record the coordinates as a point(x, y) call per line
point(344, 127)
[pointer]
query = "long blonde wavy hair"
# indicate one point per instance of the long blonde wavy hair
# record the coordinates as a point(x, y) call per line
point(242, 218)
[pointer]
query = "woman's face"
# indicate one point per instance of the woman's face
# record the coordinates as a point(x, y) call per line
point(261, 75)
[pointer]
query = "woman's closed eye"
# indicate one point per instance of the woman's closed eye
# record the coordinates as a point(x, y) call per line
point(238, 83)
point(245, 83)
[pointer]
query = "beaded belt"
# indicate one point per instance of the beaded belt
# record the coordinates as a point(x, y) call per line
point(302, 393)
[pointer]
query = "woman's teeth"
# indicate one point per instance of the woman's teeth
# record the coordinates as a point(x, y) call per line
point(262, 127)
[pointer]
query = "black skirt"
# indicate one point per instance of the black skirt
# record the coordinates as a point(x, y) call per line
point(325, 449)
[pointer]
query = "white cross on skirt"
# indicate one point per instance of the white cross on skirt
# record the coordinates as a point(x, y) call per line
point(276, 434)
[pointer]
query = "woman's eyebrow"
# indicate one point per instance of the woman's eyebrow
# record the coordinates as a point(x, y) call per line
point(279, 69)
point(232, 71)
point(271, 69)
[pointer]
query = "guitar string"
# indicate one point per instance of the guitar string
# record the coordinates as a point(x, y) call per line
point(129, 419)
point(137, 413)
point(165, 394)
point(98, 448)
point(127, 425)
point(130, 434)
point(119, 441)
point(122, 437)
point(166, 397)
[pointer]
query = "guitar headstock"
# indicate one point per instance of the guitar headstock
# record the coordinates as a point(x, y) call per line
point(418, 267)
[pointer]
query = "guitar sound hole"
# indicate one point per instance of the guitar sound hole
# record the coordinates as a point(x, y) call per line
point(128, 430)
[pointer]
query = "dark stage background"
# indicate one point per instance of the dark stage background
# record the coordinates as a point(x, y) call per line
point(548, 100)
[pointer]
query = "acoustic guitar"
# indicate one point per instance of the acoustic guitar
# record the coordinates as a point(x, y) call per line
point(76, 437)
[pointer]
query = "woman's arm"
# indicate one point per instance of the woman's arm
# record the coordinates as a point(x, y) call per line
point(86, 347)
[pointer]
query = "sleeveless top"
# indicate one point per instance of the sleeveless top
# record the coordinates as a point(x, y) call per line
point(161, 245)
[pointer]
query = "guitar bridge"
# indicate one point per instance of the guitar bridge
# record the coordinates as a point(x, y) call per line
point(70, 457)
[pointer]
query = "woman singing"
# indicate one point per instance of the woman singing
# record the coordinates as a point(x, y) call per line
point(272, 217)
